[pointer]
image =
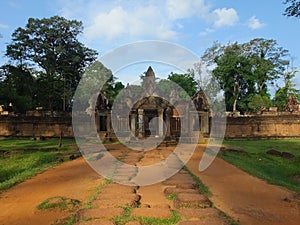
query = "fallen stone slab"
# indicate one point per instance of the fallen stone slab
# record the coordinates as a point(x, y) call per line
point(287, 155)
point(99, 213)
point(132, 158)
point(128, 171)
point(122, 177)
point(152, 212)
point(190, 213)
point(174, 190)
point(109, 201)
point(195, 222)
point(96, 222)
point(206, 221)
point(237, 151)
point(214, 221)
point(116, 154)
point(161, 206)
point(118, 189)
point(274, 152)
point(105, 196)
point(182, 171)
point(133, 223)
point(192, 185)
point(178, 181)
point(181, 176)
point(187, 200)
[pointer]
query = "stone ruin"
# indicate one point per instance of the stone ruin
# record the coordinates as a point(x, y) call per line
point(152, 109)
point(292, 104)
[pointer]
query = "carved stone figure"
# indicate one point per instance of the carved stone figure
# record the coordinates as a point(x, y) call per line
point(292, 104)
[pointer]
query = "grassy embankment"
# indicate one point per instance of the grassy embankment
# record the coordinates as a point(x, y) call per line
point(253, 158)
point(22, 159)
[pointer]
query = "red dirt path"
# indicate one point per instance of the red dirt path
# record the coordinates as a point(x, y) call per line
point(74, 179)
point(245, 198)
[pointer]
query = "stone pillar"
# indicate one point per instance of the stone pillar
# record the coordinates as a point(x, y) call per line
point(108, 124)
point(132, 123)
point(168, 121)
point(184, 122)
point(193, 122)
point(97, 121)
point(205, 123)
point(160, 122)
point(140, 123)
point(188, 122)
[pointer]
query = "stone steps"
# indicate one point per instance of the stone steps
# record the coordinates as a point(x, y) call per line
point(151, 201)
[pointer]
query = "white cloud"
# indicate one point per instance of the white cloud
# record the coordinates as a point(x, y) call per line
point(254, 23)
point(178, 9)
point(148, 19)
point(224, 17)
point(143, 21)
point(206, 32)
point(3, 26)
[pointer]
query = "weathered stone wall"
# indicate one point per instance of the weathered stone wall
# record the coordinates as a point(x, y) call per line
point(280, 126)
point(35, 126)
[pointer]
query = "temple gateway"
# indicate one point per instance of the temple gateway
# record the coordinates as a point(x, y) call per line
point(141, 112)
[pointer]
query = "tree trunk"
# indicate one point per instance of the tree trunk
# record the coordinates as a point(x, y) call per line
point(234, 105)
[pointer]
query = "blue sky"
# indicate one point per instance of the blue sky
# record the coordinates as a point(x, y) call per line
point(193, 24)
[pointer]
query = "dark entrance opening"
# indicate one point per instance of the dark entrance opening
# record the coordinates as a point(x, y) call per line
point(151, 117)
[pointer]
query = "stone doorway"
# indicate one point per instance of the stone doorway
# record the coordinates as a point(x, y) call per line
point(151, 123)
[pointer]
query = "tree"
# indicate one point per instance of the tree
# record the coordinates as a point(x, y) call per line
point(245, 70)
point(232, 71)
point(186, 81)
point(283, 93)
point(267, 60)
point(51, 44)
point(97, 78)
point(258, 102)
point(17, 86)
point(293, 8)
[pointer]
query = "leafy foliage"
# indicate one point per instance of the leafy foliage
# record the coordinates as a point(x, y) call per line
point(51, 45)
point(17, 85)
point(186, 81)
point(293, 8)
point(96, 78)
point(257, 102)
point(245, 70)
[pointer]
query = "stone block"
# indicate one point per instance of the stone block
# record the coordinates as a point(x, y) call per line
point(184, 200)
point(174, 190)
point(152, 212)
point(96, 222)
point(190, 213)
point(109, 200)
point(133, 223)
point(99, 213)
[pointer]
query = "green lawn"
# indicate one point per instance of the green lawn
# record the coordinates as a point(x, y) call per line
point(22, 159)
point(274, 169)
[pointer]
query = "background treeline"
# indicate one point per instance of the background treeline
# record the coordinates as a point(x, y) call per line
point(46, 63)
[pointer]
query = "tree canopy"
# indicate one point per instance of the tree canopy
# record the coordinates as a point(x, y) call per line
point(293, 8)
point(47, 62)
point(17, 86)
point(245, 71)
point(186, 81)
point(50, 45)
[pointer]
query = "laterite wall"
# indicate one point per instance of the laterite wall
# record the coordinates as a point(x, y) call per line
point(280, 126)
